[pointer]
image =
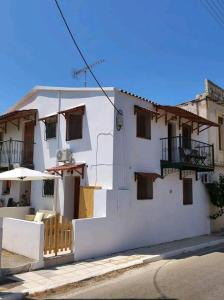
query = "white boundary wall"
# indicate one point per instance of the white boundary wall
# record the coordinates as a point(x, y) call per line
point(14, 212)
point(130, 223)
point(24, 238)
point(1, 222)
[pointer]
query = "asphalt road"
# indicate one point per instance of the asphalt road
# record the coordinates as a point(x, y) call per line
point(199, 276)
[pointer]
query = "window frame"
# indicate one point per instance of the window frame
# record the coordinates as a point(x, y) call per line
point(148, 189)
point(43, 188)
point(187, 185)
point(148, 118)
point(48, 121)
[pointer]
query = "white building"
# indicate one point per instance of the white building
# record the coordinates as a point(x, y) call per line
point(142, 166)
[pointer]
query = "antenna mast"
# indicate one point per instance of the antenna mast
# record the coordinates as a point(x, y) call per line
point(77, 73)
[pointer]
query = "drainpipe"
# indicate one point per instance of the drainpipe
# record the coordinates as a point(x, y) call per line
point(55, 203)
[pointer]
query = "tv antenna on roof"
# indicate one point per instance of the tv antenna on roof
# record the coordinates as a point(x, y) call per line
point(77, 73)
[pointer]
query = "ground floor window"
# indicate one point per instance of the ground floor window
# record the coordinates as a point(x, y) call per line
point(48, 188)
point(187, 191)
point(144, 188)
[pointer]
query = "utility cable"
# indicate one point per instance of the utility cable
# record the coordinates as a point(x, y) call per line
point(213, 13)
point(82, 55)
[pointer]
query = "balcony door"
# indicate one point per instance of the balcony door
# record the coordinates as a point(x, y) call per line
point(186, 133)
point(28, 143)
point(171, 141)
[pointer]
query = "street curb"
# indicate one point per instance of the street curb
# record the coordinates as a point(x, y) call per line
point(138, 262)
point(172, 253)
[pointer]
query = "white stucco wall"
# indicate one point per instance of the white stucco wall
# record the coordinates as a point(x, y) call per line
point(1, 234)
point(95, 148)
point(23, 237)
point(132, 223)
point(143, 223)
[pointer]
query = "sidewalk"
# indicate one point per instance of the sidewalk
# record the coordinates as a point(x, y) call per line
point(51, 278)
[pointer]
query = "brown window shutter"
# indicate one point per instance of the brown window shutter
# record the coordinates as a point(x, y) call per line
point(143, 124)
point(74, 126)
point(144, 188)
point(187, 191)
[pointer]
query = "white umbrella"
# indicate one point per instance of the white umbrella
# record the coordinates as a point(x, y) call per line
point(24, 174)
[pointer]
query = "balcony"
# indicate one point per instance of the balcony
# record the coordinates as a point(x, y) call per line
point(16, 152)
point(186, 154)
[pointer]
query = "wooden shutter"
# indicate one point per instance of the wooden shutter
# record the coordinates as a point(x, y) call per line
point(187, 191)
point(74, 126)
point(143, 125)
point(144, 188)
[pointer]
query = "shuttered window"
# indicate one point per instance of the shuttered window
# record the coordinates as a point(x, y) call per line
point(48, 188)
point(221, 133)
point(187, 191)
point(74, 126)
point(144, 188)
point(143, 125)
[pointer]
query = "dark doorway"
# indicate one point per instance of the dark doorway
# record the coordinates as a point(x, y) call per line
point(28, 143)
point(76, 196)
point(186, 133)
point(171, 141)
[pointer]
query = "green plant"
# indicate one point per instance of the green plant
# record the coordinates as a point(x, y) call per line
point(216, 192)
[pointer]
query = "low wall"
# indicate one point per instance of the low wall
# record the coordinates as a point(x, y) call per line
point(102, 236)
point(23, 237)
point(14, 212)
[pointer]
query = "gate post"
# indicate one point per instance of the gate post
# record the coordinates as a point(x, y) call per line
point(56, 234)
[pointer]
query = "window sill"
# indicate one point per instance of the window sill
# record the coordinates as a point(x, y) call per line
point(74, 140)
point(48, 139)
point(145, 199)
point(143, 137)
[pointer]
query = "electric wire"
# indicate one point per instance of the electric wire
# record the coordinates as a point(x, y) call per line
point(82, 55)
point(213, 12)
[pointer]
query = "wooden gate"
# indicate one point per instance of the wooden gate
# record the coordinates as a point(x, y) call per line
point(57, 235)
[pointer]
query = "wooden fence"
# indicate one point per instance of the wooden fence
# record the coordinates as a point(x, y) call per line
point(57, 235)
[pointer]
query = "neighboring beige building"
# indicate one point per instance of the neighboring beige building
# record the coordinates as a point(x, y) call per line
point(210, 105)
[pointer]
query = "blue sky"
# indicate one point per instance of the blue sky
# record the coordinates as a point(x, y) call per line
point(162, 50)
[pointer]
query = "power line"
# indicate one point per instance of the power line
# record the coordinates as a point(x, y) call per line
point(213, 13)
point(217, 8)
point(221, 4)
point(82, 55)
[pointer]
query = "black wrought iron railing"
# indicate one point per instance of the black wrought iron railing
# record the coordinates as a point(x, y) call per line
point(16, 152)
point(179, 149)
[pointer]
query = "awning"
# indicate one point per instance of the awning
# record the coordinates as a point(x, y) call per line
point(49, 117)
point(79, 109)
point(152, 176)
point(29, 114)
point(79, 168)
point(182, 113)
point(145, 110)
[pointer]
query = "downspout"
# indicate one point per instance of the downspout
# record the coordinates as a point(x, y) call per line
point(55, 203)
